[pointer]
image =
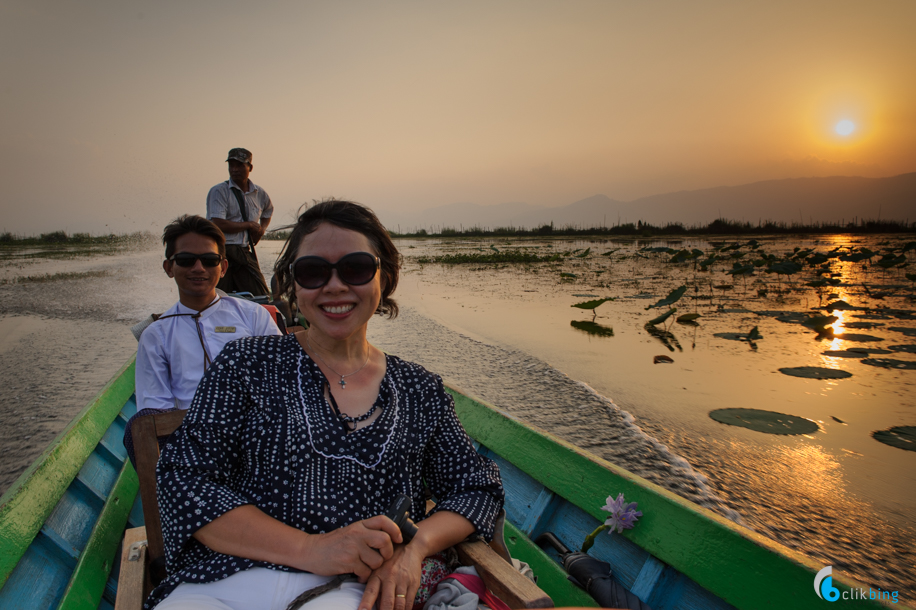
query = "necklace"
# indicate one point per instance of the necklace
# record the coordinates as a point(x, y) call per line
point(342, 382)
point(349, 423)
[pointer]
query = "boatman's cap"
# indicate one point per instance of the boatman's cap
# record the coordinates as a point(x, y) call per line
point(240, 154)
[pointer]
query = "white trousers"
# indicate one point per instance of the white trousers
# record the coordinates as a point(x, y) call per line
point(261, 589)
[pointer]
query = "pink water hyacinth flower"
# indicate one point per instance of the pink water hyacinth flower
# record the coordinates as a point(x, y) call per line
point(623, 516)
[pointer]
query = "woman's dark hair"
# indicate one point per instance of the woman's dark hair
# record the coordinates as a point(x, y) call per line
point(346, 215)
point(192, 224)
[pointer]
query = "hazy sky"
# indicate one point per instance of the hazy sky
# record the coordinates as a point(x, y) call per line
point(120, 113)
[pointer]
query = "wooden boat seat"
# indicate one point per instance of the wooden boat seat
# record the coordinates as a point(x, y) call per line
point(143, 552)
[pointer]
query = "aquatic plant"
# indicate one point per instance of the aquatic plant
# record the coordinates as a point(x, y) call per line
point(673, 297)
point(592, 305)
point(623, 517)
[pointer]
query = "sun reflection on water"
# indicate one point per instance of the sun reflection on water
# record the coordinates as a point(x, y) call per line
point(808, 469)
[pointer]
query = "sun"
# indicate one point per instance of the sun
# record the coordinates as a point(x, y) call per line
point(845, 127)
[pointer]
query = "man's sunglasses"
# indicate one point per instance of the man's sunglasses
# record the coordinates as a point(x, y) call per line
point(356, 269)
point(186, 259)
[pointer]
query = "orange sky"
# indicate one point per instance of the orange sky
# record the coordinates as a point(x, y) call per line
point(121, 113)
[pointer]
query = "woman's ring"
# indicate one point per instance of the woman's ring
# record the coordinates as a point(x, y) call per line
point(399, 595)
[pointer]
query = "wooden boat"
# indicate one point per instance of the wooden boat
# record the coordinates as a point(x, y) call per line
point(63, 520)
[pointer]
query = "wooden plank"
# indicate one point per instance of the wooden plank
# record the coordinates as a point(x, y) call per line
point(87, 584)
point(133, 571)
point(145, 431)
point(501, 578)
point(551, 576)
point(729, 561)
point(24, 508)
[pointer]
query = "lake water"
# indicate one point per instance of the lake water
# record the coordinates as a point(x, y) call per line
point(504, 333)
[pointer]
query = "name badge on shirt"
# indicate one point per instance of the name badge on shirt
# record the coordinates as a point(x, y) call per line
point(224, 329)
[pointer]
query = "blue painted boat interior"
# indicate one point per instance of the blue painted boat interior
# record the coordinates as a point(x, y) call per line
point(534, 509)
point(41, 577)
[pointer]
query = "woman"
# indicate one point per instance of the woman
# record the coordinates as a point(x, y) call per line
point(295, 446)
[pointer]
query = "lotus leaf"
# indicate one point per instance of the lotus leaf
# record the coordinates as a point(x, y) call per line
point(910, 349)
point(769, 422)
point(661, 318)
point(571, 276)
point(784, 268)
point(844, 353)
point(861, 338)
point(592, 304)
point(818, 323)
point(869, 350)
point(902, 437)
point(672, 298)
point(815, 372)
point(688, 317)
point(839, 305)
point(909, 332)
point(890, 363)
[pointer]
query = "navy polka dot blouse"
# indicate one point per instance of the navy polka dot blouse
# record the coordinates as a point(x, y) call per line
point(259, 431)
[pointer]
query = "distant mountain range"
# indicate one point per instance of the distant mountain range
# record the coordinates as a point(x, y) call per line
point(804, 200)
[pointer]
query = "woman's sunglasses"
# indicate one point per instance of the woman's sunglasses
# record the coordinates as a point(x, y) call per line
point(186, 259)
point(355, 269)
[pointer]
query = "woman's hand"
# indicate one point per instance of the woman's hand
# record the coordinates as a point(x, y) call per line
point(394, 585)
point(360, 548)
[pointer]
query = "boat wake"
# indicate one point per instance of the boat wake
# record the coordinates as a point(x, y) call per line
point(534, 391)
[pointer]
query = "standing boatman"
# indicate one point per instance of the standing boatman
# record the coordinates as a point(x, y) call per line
point(242, 210)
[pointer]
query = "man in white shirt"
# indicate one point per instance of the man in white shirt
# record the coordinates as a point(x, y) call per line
point(242, 210)
point(176, 350)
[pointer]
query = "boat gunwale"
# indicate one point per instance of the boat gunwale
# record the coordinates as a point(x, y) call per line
point(25, 507)
point(697, 542)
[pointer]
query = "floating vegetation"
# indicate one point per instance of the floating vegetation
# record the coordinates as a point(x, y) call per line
point(750, 337)
point(510, 256)
point(815, 372)
point(661, 318)
point(673, 297)
point(909, 332)
point(869, 350)
point(688, 317)
point(769, 422)
point(910, 349)
point(844, 353)
point(662, 360)
point(859, 337)
point(902, 437)
point(890, 363)
point(593, 328)
point(592, 304)
point(841, 306)
point(863, 325)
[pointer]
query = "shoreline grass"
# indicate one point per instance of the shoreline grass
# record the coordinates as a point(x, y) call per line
point(640, 229)
point(62, 238)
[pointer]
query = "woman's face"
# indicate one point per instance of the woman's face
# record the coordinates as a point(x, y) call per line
point(338, 310)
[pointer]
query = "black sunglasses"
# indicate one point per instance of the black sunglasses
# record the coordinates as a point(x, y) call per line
point(355, 269)
point(186, 259)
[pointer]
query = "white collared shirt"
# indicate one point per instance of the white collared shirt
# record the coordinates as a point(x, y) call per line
point(222, 203)
point(170, 358)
